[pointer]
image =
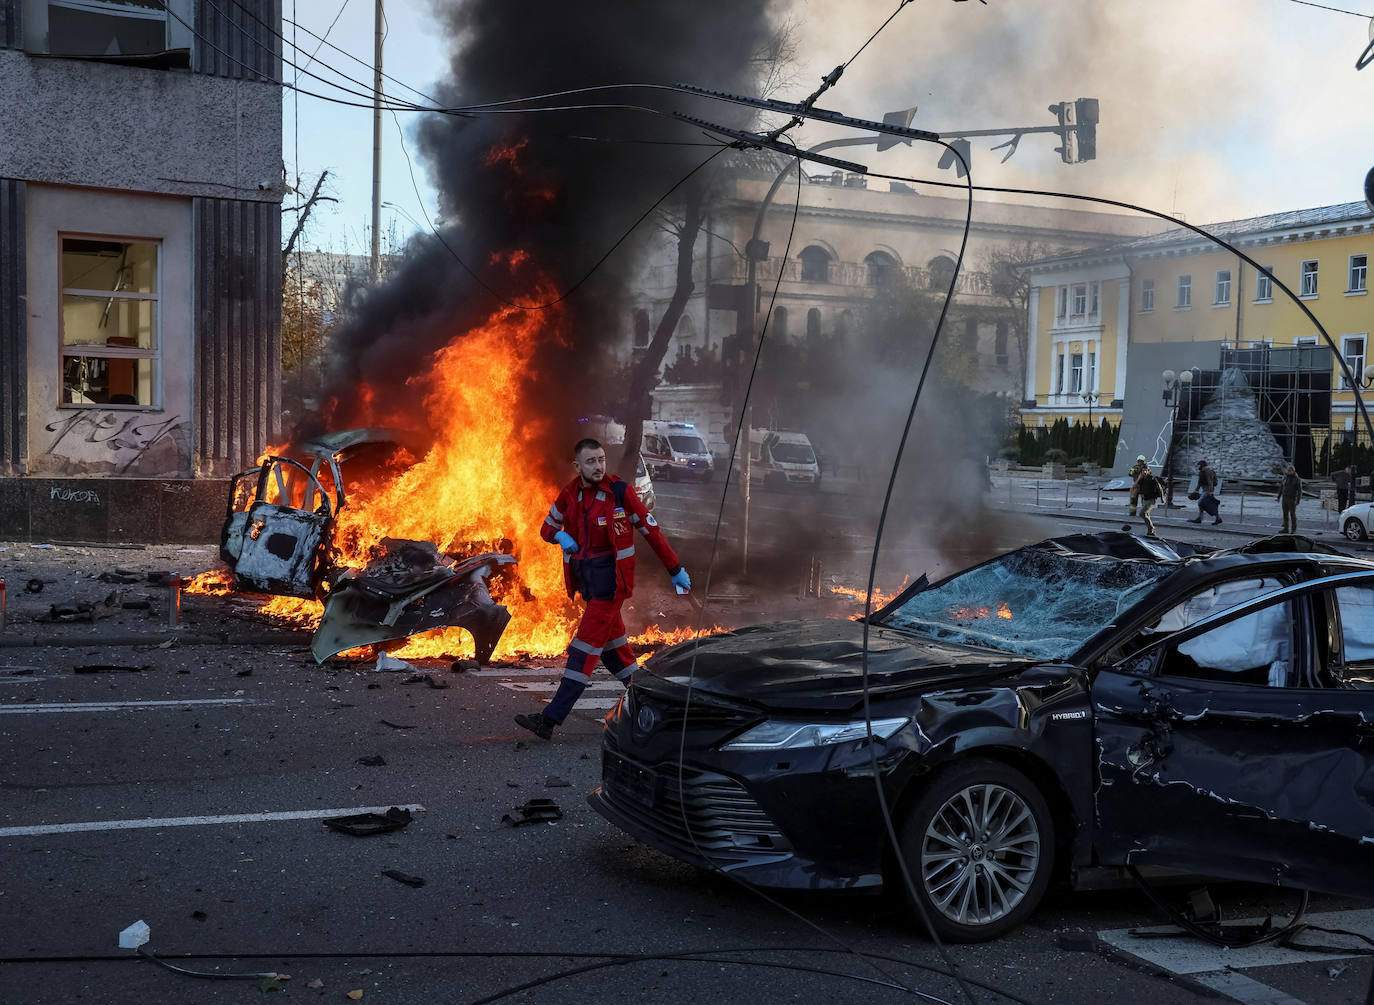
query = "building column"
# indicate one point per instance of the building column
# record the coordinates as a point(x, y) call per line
point(1123, 334)
point(1032, 360)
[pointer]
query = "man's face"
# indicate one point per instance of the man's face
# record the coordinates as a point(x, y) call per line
point(591, 464)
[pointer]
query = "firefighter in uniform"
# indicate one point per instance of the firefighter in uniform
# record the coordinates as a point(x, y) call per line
point(593, 520)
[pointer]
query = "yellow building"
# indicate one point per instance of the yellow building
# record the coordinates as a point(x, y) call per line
point(1106, 325)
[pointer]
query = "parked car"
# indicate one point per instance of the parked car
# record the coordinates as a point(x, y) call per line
point(278, 538)
point(1355, 521)
point(1070, 707)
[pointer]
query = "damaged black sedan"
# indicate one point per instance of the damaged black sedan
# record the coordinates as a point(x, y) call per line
point(1080, 705)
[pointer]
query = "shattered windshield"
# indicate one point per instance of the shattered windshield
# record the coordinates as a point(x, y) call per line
point(793, 453)
point(1030, 602)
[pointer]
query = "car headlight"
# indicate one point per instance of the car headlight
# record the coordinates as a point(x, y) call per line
point(782, 735)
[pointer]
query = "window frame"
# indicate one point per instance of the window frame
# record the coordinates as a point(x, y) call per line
point(1147, 296)
point(1357, 273)
point(1264, 284)
point(1185, 292)
point(1346, 355)
point(1075, 373)
point(154, 353)
point(1304, 273)
point(1221, 291)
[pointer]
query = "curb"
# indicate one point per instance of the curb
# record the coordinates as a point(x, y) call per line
point(1227, 527)
point(16, 641)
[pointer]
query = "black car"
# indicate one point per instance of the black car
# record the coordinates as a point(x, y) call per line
point(1089, 701)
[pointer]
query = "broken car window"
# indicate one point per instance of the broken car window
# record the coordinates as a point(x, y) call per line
point(1357, 635)
point(1032, 603)
point(1255, 649)
point(1211, 600)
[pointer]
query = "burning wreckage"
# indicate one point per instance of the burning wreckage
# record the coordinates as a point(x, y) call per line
point(1087, 703)
point(278, 538)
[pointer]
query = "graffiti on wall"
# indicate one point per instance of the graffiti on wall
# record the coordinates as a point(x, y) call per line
point(123, 443)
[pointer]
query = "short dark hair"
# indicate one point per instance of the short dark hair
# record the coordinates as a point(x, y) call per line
point(585, 444)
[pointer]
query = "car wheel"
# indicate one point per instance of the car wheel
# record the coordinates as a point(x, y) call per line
point(1354, 530)
point(979, 845)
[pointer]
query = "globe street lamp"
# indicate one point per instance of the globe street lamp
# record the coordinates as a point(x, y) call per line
point(1175, 384)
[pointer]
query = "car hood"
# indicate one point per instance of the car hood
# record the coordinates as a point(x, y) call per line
point(818, 665)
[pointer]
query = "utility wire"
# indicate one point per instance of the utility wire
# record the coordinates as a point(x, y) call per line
point(292, 21)
point(1337, 10)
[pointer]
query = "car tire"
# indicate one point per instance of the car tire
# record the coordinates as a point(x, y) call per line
point(1354, 530)
point(1011, 863)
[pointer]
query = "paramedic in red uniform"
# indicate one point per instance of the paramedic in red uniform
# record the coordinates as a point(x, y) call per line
point(593, 520)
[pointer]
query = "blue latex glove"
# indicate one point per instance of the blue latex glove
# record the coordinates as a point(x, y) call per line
point(682, 582)
point(566, 542)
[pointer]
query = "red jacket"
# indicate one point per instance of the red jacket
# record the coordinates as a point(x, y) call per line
point(600, 527)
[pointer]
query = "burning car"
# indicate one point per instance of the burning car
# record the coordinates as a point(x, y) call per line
point(1079, 705)
point(278, 538)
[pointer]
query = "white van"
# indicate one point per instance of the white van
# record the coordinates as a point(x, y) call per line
point(676, 450)
point(612, 434)
point(779, 458)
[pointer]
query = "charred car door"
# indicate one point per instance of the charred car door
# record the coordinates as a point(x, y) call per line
point(1241, 746)
point(278, 532)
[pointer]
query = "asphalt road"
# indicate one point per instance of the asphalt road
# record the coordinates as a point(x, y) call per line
point(198, 783)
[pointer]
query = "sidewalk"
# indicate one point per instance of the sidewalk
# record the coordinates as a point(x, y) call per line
point(1244, 514)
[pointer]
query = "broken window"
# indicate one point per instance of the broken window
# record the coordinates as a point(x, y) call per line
point(109, 321)
point(1255, 649)
point(815, 264)
point(1357, 635)
point(1030, 602)
point(111, 29)
point(1308, 276)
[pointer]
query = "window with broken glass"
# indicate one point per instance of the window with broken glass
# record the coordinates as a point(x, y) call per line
point(1352, 348)
point(109, 322)
point(1308, 287)
point(143, 30)
point(1264, 284)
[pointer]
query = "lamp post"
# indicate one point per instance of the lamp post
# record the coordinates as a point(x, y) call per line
point(1174, 386)
point(1090, 398)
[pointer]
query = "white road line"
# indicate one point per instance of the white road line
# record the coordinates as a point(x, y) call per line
point(519, 672)
point(229, 818)
point(551, 686)
point(1187, 955)
point(1243, 989)
point(114, 706)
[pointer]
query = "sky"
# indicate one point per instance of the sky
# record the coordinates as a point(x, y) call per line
point(1210, 109)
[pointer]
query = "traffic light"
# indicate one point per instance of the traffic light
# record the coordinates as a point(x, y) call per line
point(1085, 113)
point(1065, 149)
point(947, 159)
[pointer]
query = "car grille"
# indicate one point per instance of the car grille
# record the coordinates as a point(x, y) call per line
point(723, 823)
point(671, 714)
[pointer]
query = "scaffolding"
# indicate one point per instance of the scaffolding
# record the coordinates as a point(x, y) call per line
point(1291, 390)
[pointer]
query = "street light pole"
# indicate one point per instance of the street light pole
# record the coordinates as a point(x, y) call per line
point(1090, 398)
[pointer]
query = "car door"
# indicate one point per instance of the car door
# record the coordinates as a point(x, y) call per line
point(280, 542)
point(1241, 746)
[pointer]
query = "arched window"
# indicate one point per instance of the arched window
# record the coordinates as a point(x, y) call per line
point(815, 264)
point(813, 323)
point(882, 268)
point(641, 328)
point(778, 329)
point(686, 330)
point(941, 272)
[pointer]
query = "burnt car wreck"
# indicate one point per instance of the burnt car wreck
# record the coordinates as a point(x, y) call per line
point(1086, 703)
point(278, 538)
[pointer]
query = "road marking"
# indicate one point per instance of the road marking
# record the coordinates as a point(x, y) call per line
point(228, 818)
point(1243, 989)
point(548, 686)
point(518, 672)
point(1184, 954)
point(114, 706)
point(527, 686)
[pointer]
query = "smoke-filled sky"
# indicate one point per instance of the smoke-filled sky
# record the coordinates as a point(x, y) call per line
point(1212, 109)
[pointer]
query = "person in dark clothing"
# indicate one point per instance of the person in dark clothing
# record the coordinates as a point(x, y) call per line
point(1150, 492)
point(1207, 501)
point(593, 520)
point(1135, 471)
point(1345, 481)
point(1290, 491)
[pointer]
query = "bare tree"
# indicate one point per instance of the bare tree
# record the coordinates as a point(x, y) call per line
point(1011, 285)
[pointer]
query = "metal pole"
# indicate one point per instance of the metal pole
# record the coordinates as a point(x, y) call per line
point(378, 19)
point(174, 602)
point(2, 605)
point(1241, 518)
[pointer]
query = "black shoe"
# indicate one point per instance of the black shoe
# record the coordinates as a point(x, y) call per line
point(1216, 521)
point(537, 724)
point(1196, 519)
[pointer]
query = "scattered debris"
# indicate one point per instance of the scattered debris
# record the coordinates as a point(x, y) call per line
point(385, 662)
point(137, 605)
point(536, 811)
point(463, 666)
point(110, 668)
point(18, 671)
point(247, 672)
point(512, 783)
point(367, 824)
point(554, 782)
point(198, 915)
point(84, 610)
point(1334, 972)
point(404, 877)
point(426, 679)
point(33, 586)
point(372, 760)
point(159, 578)
point(355, 994)
point(394, 725)
point(120, 576)
point(315, 984)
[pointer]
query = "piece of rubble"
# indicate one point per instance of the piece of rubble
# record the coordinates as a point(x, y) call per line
point(367, 824)
point(110, 668)
point(387, 662)
point(372, 760)
point(404, 877)
point(555, 782)
point(536, 811)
